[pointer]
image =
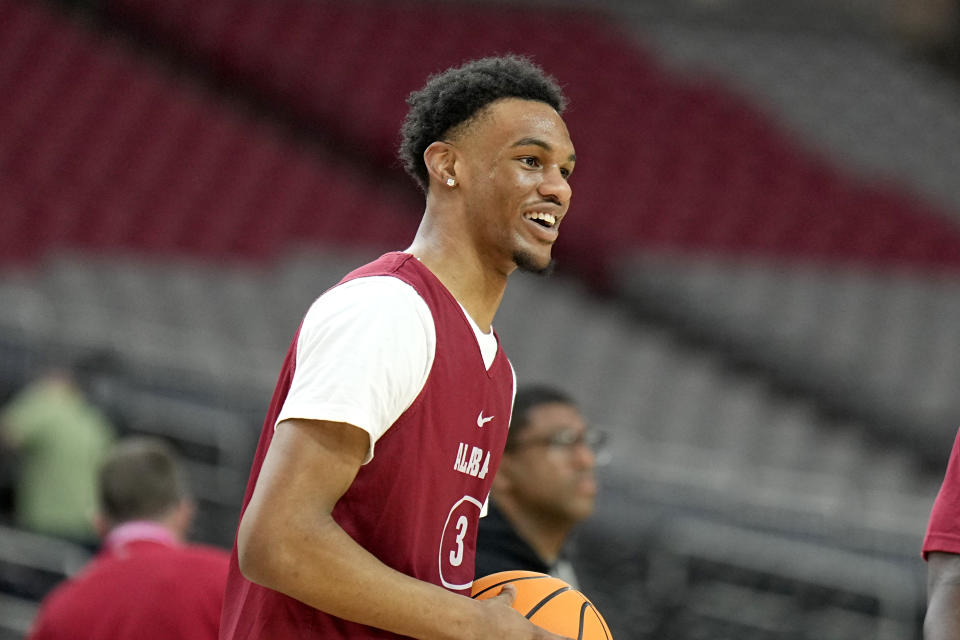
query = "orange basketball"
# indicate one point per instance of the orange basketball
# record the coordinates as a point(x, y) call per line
point(548, 602)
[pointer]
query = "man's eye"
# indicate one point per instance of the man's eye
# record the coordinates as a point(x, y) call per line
point(530, 161)
point(565, 439)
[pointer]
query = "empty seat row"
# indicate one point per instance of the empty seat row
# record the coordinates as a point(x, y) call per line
point(105, 148)
point(695, 166)
point(872, 342)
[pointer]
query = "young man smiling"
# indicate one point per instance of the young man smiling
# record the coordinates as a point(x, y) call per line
point(391, 412)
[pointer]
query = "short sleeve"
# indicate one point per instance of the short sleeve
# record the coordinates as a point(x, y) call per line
point(363, 355)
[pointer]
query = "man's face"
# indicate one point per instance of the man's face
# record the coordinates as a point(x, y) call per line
point(517, 157)
point(554, 481)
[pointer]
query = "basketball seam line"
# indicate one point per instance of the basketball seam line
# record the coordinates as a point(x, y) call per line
point(583, 613)
point(546, 600)
point(603, 623)
point(500, 584)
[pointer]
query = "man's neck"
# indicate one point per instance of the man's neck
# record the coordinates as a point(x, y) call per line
point(476, 285)
point(139, 531)
point(545, 535)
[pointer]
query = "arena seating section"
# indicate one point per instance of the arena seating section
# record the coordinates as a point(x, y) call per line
point(770, 337)
point(108, 150)
point(692, 167)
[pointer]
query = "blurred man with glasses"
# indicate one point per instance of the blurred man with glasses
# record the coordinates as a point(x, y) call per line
point(544, 488)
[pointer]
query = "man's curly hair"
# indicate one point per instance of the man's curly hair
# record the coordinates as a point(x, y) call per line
point(454, 96)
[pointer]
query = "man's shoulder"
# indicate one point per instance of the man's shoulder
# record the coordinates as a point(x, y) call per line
point(387, 264)
point(370, 299)
point(157, 559)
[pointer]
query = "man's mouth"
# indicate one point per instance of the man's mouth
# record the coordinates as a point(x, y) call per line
point(542, 218)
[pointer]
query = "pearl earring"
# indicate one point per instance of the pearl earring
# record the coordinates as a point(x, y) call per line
point(451, 182)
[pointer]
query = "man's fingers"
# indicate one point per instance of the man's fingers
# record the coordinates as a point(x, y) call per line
point(508, 593)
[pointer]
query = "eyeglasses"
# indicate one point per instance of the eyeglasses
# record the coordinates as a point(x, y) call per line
point(565, 440)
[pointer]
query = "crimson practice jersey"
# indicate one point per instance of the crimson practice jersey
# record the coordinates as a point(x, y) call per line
point(417, 503)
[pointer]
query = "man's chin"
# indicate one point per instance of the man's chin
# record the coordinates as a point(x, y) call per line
point(530, 263)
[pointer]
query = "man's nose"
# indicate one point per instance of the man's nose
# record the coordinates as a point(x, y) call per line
point(556, 187)
point(584, 455)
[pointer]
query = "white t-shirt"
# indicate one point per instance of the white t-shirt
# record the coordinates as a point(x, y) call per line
point(364, 353)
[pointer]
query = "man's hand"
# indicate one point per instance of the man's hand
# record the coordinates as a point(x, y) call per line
point(507, 622)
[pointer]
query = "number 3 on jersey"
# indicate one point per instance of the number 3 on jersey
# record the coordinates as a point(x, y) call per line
point(457, 544)
point(456, 556)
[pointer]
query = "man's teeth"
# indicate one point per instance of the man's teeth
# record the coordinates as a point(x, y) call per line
point(548, 218)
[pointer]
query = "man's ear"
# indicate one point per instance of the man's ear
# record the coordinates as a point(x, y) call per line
point(181, 517)
point(441, 160)
point(101, 524)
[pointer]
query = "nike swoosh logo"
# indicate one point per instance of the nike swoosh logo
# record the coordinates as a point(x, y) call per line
point(481, 420)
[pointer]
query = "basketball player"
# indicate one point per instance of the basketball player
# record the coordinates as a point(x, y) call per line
point(388, 421)
point(545, 487)
point(941, 550)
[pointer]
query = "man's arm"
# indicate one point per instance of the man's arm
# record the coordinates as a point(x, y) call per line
point(942, 621)
point(289, 542)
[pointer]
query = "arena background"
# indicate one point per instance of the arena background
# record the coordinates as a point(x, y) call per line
point(758, 290)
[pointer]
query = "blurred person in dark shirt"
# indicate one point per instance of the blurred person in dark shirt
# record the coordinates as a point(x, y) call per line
point(545, 487)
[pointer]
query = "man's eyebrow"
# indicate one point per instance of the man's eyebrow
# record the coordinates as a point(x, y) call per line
point(537, 142)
